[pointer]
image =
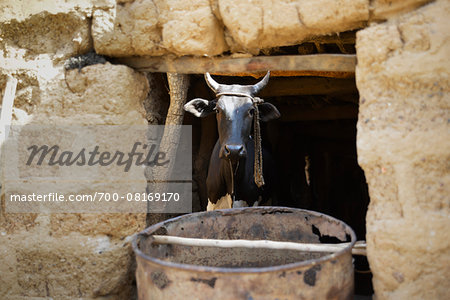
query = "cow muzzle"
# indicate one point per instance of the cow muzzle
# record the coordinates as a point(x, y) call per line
point(233, 152)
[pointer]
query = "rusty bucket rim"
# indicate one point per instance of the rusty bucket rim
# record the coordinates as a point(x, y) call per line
point(228, 270)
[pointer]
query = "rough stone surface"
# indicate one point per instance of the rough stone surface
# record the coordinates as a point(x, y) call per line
point(144, 27)
point(36, 35)
point(189, 27)
point(115, 90)
point(384, 9)
point(404, 148)
point(127, 28)
point(118, 226)
point(37, 264)
point(23, 9)
point(75, 255)
point(161, 27)
point(65, 256)
point(27, 90)
point(62, 34)
point(253, 25)
point(97, 94)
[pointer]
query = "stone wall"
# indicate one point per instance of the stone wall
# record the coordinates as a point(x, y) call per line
point(404, 149)
point(402, 76)
point(211, 27)
point(74, 255)
point(65, 256)
point(192, 27)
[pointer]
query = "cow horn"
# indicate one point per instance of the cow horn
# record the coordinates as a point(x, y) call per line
point(211, 82)
point(260, 85)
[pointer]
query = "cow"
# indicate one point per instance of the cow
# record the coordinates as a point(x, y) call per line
point(232, 168)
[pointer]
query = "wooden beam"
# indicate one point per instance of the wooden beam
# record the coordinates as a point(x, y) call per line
point(284, 65)
point(308, 86)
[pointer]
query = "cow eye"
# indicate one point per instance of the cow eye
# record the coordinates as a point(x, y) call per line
point(251, 112)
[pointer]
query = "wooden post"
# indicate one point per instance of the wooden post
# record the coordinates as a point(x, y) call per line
point(178, 85)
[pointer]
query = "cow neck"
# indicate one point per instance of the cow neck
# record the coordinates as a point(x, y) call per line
point(258, 164)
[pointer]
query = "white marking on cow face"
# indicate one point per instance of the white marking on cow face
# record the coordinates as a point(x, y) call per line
point(234, 122)
point(230, 105)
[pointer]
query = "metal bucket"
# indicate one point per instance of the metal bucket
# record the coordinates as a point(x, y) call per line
point(185, 272)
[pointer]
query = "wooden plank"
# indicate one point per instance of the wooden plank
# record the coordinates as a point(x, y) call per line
point(289, 65)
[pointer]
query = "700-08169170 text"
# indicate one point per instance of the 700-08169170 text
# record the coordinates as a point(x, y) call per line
point(97, 196)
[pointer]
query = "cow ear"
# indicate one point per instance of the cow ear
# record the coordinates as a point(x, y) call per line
point(200, 107)
point(268, 112)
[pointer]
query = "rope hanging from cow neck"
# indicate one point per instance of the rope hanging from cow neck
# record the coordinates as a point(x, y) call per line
point(258, 169)
point(258, 165)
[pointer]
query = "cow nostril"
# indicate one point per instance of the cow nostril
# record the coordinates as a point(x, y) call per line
point(231, 150)
point(242, 152)
point(234, 150)
point(226, 150)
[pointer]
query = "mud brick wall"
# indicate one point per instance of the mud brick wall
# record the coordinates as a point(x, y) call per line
point(404, 148)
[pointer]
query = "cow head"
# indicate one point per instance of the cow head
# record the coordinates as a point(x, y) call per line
point(235, 111)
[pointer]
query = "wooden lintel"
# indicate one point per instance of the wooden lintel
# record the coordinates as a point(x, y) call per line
point(283, 65)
